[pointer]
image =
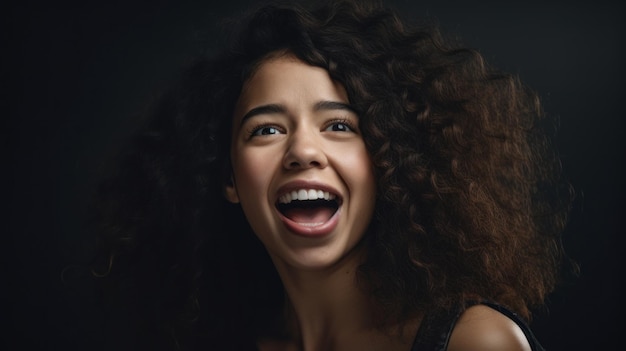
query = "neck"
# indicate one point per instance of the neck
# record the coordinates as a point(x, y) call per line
point(330, 311)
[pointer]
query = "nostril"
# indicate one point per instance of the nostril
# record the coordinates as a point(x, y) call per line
point(304, 156)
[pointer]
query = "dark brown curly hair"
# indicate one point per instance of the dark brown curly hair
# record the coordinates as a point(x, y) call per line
point(470, 203)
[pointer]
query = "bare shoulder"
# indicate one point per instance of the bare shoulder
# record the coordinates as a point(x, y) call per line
point(483, 328)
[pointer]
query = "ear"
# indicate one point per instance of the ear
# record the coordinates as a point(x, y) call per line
point(230, 191)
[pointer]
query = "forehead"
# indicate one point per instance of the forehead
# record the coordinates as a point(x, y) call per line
point(284, 79)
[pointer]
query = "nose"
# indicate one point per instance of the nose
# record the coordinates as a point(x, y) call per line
point(304, 151)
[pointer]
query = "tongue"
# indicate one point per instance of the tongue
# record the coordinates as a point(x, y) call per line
point(317, 215)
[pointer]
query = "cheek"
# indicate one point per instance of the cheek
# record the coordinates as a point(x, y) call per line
point(250, 173)
point(357, 163)
point(253, 173)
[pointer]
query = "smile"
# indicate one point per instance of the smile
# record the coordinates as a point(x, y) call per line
point(309, 211)
point(308, 195)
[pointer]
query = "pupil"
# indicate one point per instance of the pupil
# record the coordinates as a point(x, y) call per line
point(268, 130)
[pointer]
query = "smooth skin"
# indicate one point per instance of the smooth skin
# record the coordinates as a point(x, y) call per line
point(293, 127)
point(481, 328)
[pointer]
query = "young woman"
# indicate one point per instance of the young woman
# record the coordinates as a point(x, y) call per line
point(334, 180)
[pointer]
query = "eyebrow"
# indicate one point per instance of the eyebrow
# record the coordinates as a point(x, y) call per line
point(278, 108)
point(333, 105)
point(262, 110)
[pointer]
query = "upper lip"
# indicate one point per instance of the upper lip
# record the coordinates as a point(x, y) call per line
point(307, 184)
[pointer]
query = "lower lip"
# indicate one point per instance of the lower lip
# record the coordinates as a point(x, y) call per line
point(315, 231)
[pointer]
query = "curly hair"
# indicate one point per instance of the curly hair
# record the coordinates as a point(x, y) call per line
point(469, 196)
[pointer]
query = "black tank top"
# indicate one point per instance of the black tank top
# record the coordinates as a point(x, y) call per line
point(436, 328)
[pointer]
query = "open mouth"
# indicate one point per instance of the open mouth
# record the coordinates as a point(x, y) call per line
point(308, 207)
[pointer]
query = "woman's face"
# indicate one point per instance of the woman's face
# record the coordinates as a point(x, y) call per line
point(300, 167)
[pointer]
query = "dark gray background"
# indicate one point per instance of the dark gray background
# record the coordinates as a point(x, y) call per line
point(75, 74)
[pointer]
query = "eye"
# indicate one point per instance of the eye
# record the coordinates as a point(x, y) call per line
point(264, 130)
point(340, 126)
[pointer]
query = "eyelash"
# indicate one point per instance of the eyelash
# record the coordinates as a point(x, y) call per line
point(254, 129)
point(251, 133)
point(343, 121)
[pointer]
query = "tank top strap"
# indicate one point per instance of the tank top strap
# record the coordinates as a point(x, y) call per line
point(532, 340)
point(434, 332)
point(436, 327)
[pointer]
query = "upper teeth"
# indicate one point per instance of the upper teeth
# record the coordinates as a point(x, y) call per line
point(306, 194)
